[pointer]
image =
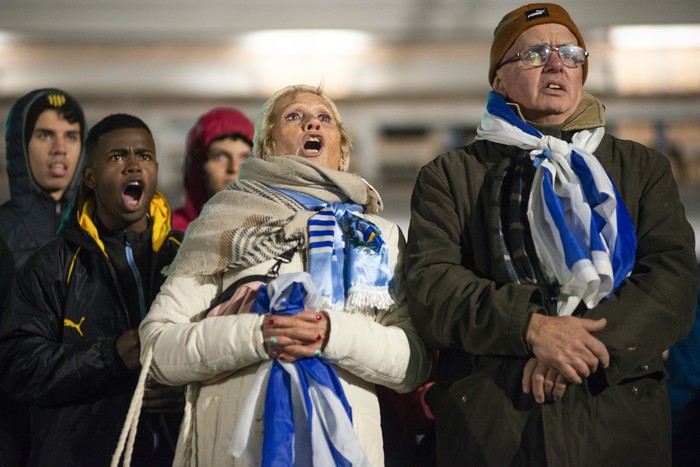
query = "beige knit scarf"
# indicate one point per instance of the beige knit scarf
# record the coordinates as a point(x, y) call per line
point(249, 223)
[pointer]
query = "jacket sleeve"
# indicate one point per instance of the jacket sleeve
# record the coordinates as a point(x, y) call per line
point(452, 305)
point(7, 274)
point(37, 366)
point(386, 350)
point(187, 348)
point(654, 307)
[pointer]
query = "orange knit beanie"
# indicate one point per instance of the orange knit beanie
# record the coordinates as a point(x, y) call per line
point(517, 21)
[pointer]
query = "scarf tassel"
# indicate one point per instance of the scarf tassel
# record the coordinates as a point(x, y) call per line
point(368, 298)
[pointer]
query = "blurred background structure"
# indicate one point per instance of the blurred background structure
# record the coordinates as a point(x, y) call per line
point(409, 76)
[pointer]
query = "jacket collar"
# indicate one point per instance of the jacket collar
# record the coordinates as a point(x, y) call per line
point(159, 211)
point(589, 114)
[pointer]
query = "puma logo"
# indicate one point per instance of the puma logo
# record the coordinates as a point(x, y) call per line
point(70, 324)
point(536, 13)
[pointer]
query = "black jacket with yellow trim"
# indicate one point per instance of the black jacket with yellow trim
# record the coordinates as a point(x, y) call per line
point(57, 347)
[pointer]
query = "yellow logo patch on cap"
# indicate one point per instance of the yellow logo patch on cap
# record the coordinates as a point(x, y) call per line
point(56, 100)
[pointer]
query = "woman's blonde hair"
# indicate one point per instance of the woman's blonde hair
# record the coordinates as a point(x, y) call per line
point(262, 142)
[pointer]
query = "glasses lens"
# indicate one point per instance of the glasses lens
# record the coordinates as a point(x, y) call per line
point(536, 55)
point(572, 55)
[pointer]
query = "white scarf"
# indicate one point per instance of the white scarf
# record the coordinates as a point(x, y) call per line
point(583, 234)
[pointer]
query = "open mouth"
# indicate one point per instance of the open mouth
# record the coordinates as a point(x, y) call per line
point(58, 169)
point(133, 194)
point(313, 145)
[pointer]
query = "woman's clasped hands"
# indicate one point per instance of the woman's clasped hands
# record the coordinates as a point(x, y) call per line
point(294, 337)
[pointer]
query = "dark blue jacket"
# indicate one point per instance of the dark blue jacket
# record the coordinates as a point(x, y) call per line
point(28, 220)
point(683, 367)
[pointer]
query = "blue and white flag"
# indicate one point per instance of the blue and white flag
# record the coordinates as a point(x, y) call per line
point(307, 419)
point(583, 235)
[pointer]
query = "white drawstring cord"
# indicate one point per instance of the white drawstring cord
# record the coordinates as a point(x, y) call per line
point(132, 417)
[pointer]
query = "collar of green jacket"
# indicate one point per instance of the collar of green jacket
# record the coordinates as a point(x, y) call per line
point(590, 113)
point(159, 211)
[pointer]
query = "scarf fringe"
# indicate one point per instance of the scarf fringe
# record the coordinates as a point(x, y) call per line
point(366, 301)
point(368, 298)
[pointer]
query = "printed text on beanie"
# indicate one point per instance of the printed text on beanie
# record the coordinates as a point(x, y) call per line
point(517, 21)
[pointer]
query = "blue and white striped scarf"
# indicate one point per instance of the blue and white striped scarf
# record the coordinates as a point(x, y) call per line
point(583, 235)
point(348, 257)
point(307, 419)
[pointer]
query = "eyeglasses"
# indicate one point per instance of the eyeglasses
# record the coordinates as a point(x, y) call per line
point(571, 56)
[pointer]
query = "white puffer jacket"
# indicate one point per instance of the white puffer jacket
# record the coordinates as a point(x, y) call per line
point(385, 350)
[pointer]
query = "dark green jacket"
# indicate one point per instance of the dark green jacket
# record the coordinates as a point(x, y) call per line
point(617, 417)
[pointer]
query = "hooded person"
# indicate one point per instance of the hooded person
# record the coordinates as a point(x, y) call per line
point(219, 142)
point(43, 147)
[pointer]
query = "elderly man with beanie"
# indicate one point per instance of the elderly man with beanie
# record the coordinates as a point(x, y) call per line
point(552, 264)
point(220, 141)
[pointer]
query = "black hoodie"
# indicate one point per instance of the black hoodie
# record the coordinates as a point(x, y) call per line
point(31, 216)
point(28, 220)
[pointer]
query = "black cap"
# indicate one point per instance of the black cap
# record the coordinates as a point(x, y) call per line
point(53, 99)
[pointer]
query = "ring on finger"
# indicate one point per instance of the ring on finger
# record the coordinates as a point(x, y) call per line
point(273, 340)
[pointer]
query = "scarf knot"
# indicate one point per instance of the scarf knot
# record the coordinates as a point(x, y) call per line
point(583, 235)
point(547, 146)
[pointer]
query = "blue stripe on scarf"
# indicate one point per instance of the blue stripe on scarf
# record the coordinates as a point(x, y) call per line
point(572, 250)
point(278, 439)
point(626, 243)
point(322, 222)
point(594, 197)
point(315, 369)
point(496, 105)
point(321, 244)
